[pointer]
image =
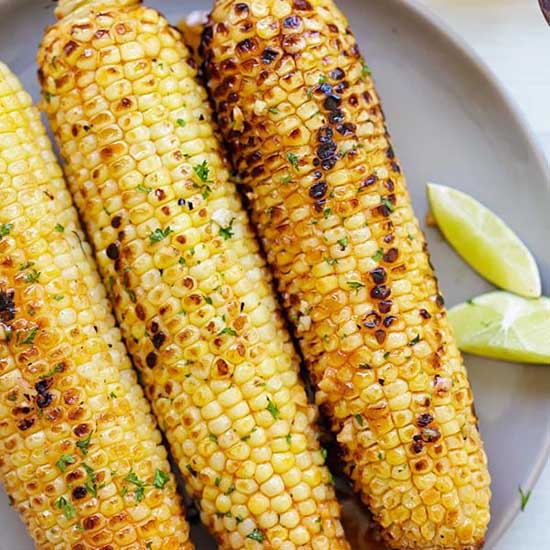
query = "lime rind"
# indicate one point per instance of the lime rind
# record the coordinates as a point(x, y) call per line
point(485, 242)
point(504, 326)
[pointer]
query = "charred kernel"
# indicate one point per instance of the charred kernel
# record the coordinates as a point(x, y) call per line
point(241, 8)
point(329, 163)
point(372, 179)
point(292, 22)
point(378, 275)
point(325, 88)
point(417, 447)
point(269, 55)
point(337, 74)
point(395, 167)
point(325, 135)
point(333, 28)
point(25, 424)
point(318, 190)
point(112, 251)
point(381, 381)
point(424, 419)
point(353, 101)
point(389, 320)
point(158, 339)
point(116, 222)
point(69, 48)
point(326, 150)
point(385, 306)
point(430, 435)
point(389, 239)
point(424, 314)
point(7, 306)
point(91, 522)
point(44, 399)
point(332, 102)
point(372, 320)
point(140, 312)
point(160, 194)
point(380, 292)
point(336, 116)
point(391, 255)
point(151, 359)
point(43, 385)
point(346, 129)
point(319, 205)
point(390, 153)
point(79, 492)
point(439, 300)
point(81, 430)
point(390, 186)
point(247, 45)
point(367, 97)
point(341, 86)
point(380, 336)
point(302, 5)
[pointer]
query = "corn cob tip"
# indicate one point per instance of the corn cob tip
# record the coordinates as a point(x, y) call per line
point(66, 7)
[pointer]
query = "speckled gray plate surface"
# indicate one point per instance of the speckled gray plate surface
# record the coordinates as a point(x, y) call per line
point(451, 124)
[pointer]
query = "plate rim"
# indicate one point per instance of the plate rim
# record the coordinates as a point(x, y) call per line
point(445, 32)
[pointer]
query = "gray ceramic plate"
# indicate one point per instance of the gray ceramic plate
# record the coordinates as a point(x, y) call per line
point(452, 124)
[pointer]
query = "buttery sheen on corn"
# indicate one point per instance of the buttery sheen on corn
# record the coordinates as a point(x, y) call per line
point(80, 455)
point(305, 128)
point(189, 287)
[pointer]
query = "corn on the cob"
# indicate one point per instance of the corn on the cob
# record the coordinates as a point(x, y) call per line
point(305, 128)
point(80, 455)
point(188, 284)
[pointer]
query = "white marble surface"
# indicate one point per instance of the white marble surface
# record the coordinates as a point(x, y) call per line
point(513, 39)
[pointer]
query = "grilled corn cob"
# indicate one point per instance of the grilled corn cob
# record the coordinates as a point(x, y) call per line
point(304, 125)
point(80, 455)
point(189, 287)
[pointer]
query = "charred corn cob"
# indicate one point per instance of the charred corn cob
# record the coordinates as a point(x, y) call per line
point(190, 289)
point(80, 455)
point(297, 106)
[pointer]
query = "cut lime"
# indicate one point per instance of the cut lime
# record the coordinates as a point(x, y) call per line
point(484, 241)
point(504, 326)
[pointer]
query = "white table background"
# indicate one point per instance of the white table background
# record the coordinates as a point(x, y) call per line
point(513, 39)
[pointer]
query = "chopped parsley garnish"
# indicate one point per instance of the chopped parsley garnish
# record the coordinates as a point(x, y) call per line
point(29, 339)
point(273, 111)
point(385, 202)
point(343, 243)
point(182, 261)
point(272, 408)
point(64, 461)
point(54, 371)
point(83, 444)
point(230, 489)
point(91, 485)
point(355, 285)
point(365, 70)
point(360, 420)
point(47, 96)
point(134, 480)
point(58, 297)
point(470, 302)
point(524, 497)
point(386, 354)
point(112, 395)
point(69, 510)
point(181, 123)
point(158, 234)
point(227, 232)
point(378, 255)
point(207, 299)
point(256, 535)
point(32, 276)
point(323, 79)
point(324, 453)
point(218, 481)
point(286, 179)
point(239, 519)
point(288, 439)
point(415, 340)
point(332, 261)
point(143, 188)
point(326, 213)
point(213, 438)
point(293, 159)
point(202, 171)
point(161, 479)
point(5, 229)
point(228, 330)
point(59, 228)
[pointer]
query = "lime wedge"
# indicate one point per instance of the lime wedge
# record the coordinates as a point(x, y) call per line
point(484, 241)
point(504, 326)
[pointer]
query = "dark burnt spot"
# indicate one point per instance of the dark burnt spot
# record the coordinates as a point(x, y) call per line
point(151, 359)
point(371, 180)
point(389, 320)
point(417, 446)
point(158, 339)
point(378, 275)
point(325, 88)
point(424, 419)
point(421, 465)
point(329, 163)
point(341, 87)
point(165, 210)
point(354, 51)
point(389, 239)
point(337, 74)
point(353, 101)
point(140, 312)
point(380, 292)
point(372, 320)
point(318, 190)
point(23, 409)
point(269, 55)
point(7, 306)
point(317, 174)
point(346, 129)
point(246, 46)
point(391, 255)
point(326, 150)
point(385, 306)
point(439, 300)
point(390, 153)
point(324, 135)
point(112, 251)
point(333, 28)
point(380, 336)
point(302, 5)
point(44, 399)
point(319, 205)
point(367, 97)
point(241, 8)
point(25, 424)
point(430, 435)
point(245, 27)
point(292, 22)
point(424, 314)
point(160, 194)
point(100, 33)
point(116, 222)
point(91, 522)
point(79, 492)
point(154, 327)
point(395, 167)
point(69, 47)
point(81, 430)
point(233, 97)
point(332, 102)
point(383, 210)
